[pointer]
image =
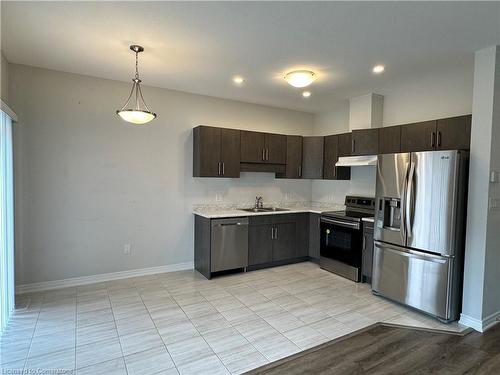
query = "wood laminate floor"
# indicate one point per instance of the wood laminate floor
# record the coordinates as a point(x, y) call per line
point(386, 349)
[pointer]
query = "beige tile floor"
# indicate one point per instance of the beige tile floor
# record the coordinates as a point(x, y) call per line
point(181, 322)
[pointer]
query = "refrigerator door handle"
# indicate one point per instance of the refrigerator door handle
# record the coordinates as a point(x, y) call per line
point(410, 201)
point(411, 253)
point(403, 205)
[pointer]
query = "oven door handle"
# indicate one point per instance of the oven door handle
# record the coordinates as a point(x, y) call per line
point(340, 223)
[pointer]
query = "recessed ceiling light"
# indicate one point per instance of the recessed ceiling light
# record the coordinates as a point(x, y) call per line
point(306, 94)
point(300, 78)
point(238, 80)
point(377, 69)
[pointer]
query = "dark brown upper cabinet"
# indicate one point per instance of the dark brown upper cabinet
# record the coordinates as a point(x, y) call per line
point(263, 148)
point(389, 140)
point(453, 133)
point(331, 156)
point(420, 136)
point(312, 157)
point(345, 144)
point(444, 134)
point(364, 142)
point(293, 156)
point(216, 152)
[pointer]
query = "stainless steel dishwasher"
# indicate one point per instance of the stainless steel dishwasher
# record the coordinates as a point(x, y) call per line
point(229, 244)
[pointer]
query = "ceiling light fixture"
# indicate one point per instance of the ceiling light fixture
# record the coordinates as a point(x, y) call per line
point(238, 80)
point(306, 94)
point(136, 115)
point(300, 78)
point(377, 69)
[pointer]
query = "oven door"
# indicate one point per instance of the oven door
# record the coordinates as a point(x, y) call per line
point(341, 247)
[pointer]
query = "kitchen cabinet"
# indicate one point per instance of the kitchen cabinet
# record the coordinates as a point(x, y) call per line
point(216, 152)
point(367, 254)
point(331, 156)
point(293, 156)
point(312, 157)
point(420, 136)
point(259, 147)
point(443, 134)
point(345, 144)
point(453, 133)
point(277, 239)
point(260, 242)
point(314, 236)
point(389, 140)
point(364, 142)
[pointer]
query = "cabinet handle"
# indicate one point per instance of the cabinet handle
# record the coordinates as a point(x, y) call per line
point(300, 170)
point(335, 172)
point(353, 146)
point(276, 233)
point(439, 139)
point(364, 243)
point(267, 154)
point(433, 139)
point(272, 233)
point(218, 168)
point(263, 154)
point(223, 172)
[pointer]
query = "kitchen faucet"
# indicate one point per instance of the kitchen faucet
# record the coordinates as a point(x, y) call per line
point(259, 202)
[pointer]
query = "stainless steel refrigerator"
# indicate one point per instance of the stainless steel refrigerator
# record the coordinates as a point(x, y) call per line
point(419, 230)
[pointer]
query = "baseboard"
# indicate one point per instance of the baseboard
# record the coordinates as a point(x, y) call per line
point(478, 324)
point(84, 280)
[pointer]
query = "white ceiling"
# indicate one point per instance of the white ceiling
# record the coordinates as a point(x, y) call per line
point(197, 47)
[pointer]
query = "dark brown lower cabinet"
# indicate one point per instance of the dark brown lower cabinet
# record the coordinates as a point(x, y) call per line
point(277, 239)
point(314, 236)
point(260, 243)
point(367, 255)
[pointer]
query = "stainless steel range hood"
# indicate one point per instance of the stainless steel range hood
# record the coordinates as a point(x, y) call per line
point(356, 161)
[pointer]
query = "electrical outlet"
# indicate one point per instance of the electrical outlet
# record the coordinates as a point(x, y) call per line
point(127, 249)
point(494, 177)
point(493, 204)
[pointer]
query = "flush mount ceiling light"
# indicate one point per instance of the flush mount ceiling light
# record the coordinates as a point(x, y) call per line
point(138, 114)
point(238, 80)
point(300, 78)
point(377, 69)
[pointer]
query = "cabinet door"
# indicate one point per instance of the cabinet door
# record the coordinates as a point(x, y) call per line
point(206, 151)
point(293, 156)
point(420, 136)
point(230, 152)
point(364, 142)
point(252, 147)
point(345, 144)
point(367, 262)
point(312, 157)
point(389, 140)
point(275, 149)
point(454, 133)
point(314, 235)
point(302, 228)
point(260, 244)
point(285, 241)
point(331, 157)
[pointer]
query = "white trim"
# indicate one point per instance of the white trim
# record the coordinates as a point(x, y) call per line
point(84, 280)
point(4, 107)
point(480, 325)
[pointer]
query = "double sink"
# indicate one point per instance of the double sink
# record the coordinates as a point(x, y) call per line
point(265, 209)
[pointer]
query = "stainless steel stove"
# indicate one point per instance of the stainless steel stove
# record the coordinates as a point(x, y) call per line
point(342, 237)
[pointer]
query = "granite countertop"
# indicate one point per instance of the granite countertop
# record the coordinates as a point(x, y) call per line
point(215, 212)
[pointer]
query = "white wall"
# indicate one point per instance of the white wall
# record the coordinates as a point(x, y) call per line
point(87, 183)
point(432, 96)
point(481, 299)
point(4, 79)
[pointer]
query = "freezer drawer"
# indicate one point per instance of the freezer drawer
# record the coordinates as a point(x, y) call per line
point(229, 244)
point(413, 278)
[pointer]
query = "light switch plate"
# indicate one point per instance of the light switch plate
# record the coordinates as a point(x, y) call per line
point(494, 176)
point(493, 204)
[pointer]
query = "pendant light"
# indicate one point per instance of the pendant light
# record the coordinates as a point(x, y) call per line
point(136, 115)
